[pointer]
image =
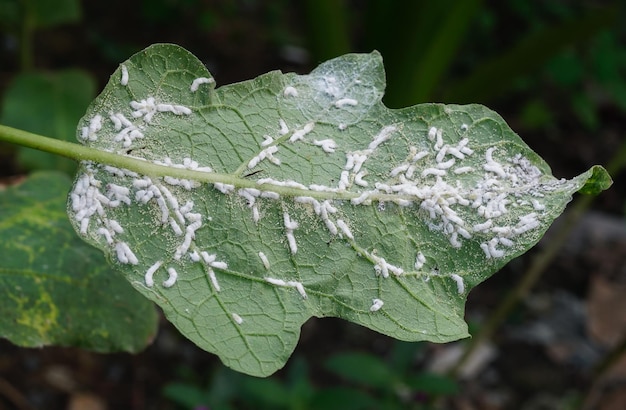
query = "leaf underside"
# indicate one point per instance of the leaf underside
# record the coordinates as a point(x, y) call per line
point(56, 289)
point(322, 202)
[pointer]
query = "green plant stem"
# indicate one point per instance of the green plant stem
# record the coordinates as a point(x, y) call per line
point(537, 267)
point(79, 152)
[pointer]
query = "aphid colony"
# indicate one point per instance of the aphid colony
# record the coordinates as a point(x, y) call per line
point(424, 179)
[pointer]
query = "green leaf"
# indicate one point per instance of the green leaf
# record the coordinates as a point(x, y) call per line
point(54, 288)
point(49, 104)
point(291, 196)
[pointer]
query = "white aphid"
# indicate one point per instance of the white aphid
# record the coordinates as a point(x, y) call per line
point(447, 164)
point(237, 318)
point(195, 84)
point(345, 101)
point(483, 226)
point(344, 180)
point(290, 92)
point(328, 145)
point(439, 142)
point(256, 216)
point(460, 284)
point(358, 178)
point(485, 249)
point(267, 141)
point(291, 240)
point(266, 262)
point(433, 171)
point(124, 79)
point(376, 305)
point(399, 169)
point(344, 229)
point(150, 273)
point(274, 281)
point(420, 260)
point(299, 134)
point(299, 287)
point(362, 199)
point(224, 188)
point(194, 256)
point(171, 280)
point(283, 127)
point(432, 133)
point(419, 156)
point(382, 136)
point(124, 254)
point(107, 235)
point(537, 205)
point(464, 127)
point(463, 170)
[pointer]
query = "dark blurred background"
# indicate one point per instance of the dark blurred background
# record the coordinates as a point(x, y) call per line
point(555, 70)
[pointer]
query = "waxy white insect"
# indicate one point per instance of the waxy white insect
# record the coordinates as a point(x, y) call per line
point(460, 284)
point(125, 254)
point(195, 84)
point(382, 136)
point(264, 260)
point(420, 260)
point(171, 280)
point(376, 305)
point(328, 145)
point(345, 101)
point(344, 229)
point(299, 134)
point(124, 79)
point(149, 277)
point(238, 319)
point(292, 284)
point(290, 92)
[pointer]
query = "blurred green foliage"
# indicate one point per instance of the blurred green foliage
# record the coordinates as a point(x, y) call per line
point(349, 381)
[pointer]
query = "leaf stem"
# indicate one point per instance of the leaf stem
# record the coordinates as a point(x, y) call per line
point(79, 152)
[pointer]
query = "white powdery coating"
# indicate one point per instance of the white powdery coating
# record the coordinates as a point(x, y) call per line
point(171, 280)
point(382, 136)
point(328, 145)
point(290, 92)
point(237, 318)
point(299, 134)
point(195, 84)
point(376, 305)
point(149, 277)
point(124, 79)
point(345, 101)
point(460, 284)
point(266, 262)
